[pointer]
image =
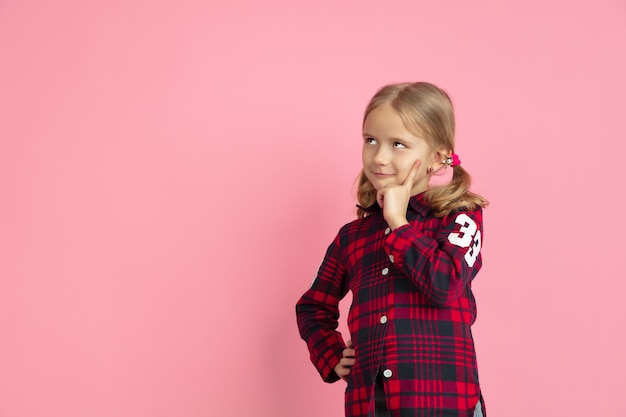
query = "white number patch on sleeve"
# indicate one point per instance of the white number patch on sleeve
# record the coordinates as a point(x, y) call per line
point(468, 236)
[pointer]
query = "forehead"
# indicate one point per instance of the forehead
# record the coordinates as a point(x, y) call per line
point(384, 120)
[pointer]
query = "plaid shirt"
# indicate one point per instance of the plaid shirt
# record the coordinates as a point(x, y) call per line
point(411, 312)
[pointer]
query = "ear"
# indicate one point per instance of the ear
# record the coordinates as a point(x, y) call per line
point(438, 156)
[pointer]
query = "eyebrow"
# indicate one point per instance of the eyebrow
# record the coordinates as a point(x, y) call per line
point(368, 135)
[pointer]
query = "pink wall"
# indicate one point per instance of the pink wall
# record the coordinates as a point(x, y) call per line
point(172, 172)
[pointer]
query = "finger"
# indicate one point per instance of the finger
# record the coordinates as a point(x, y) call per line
point(347, 362)
point(342, 372)
point(349, 351)
point(412, 176)
point(380, 197)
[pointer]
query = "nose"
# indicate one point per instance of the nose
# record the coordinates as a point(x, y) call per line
point(382, 156)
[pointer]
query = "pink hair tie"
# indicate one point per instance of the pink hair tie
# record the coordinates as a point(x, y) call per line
point(452, 160)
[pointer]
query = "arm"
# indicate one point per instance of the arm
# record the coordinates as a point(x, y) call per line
point(318, 313)
point(442, 267)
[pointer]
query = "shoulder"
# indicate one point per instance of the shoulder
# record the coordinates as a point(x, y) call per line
point(462, 221)
point(357, 226)
point(474, 212)
point(457, 220)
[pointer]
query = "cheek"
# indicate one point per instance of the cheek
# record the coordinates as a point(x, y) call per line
point(432, 159)
point(402, 171)
point(366, 155)
point(409, 160)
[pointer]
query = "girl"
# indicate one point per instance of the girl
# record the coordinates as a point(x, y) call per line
point(409, 260)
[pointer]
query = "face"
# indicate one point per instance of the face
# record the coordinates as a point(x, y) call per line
point(390, 150)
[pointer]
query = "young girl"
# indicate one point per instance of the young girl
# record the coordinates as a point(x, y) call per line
point(409, 260)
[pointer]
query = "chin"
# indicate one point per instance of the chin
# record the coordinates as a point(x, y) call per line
point(381, 184)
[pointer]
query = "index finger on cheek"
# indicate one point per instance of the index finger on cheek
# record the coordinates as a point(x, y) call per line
point(410, 179)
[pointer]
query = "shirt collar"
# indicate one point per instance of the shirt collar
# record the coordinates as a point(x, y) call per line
point(416, 203)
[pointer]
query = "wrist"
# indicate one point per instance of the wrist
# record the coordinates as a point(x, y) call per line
point(395, 223)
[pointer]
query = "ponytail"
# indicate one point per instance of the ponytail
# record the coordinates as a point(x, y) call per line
point(365, 195)
point(455, 195)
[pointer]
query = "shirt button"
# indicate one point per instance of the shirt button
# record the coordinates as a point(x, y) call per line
point(385, 271)
point(387, 230)
point(391, 258)
point(387, 373)
point(383, 320)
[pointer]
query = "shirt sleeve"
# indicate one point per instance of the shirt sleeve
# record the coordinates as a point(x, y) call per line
point(440, 267)
point(317, 313)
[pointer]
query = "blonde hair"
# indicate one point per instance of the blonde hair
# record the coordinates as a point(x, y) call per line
point(426, 111)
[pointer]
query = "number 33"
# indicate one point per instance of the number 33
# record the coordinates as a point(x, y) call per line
point(468, 235)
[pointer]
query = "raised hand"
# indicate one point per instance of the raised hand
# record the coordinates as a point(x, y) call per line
point(394, 198)
point(347, 361)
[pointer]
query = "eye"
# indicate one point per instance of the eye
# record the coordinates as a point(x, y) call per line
point(370, 141)
point(399, 145)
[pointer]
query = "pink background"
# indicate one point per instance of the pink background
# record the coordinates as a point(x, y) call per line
point(172, 172)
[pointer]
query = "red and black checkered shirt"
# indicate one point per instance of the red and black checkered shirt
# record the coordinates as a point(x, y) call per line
point(411, 312)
